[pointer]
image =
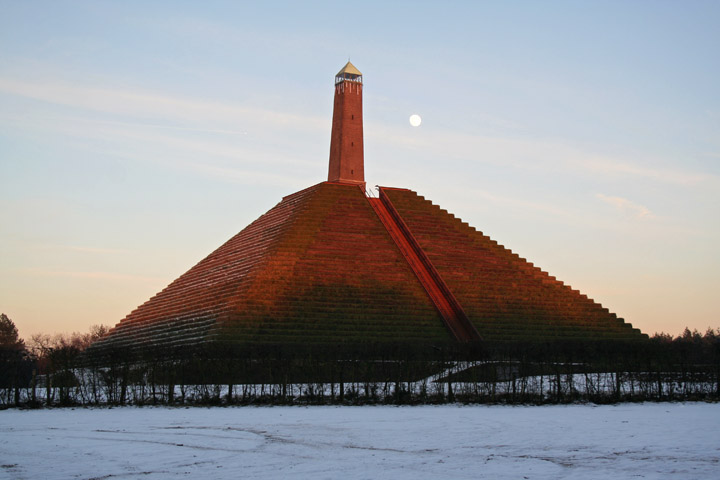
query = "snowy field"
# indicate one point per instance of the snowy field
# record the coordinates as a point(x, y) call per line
point(664, 440)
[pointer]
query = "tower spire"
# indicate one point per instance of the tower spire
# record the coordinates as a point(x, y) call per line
point(346, 142)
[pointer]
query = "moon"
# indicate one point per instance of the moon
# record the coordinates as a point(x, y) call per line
point(415, 120)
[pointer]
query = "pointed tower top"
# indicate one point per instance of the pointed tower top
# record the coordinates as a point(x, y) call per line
point(349, 68)
point(348, 72)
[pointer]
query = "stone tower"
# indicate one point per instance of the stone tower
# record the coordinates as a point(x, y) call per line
point(346, 141)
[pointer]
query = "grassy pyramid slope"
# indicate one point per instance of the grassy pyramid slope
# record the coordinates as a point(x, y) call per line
point(506, 297)
point(317, 268)
point(335, 277)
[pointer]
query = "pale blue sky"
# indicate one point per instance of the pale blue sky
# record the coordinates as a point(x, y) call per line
point(136, 137)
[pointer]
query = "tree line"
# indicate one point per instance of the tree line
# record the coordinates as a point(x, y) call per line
point(61, 370)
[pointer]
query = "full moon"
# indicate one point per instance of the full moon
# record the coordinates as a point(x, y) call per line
point(415, 120)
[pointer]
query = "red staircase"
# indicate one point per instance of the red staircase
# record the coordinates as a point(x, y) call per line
point(446, 303)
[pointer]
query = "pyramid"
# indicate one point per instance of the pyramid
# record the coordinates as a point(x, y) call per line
point(335, 265)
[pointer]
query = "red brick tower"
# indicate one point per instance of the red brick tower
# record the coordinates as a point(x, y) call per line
point(346, 141)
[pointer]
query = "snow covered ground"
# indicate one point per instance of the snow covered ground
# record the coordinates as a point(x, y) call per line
point(664, 440)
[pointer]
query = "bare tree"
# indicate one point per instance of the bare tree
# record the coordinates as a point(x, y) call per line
point(57, 357)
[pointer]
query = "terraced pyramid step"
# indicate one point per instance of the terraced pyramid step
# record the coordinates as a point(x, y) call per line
point(495, 285)
point(320, 261)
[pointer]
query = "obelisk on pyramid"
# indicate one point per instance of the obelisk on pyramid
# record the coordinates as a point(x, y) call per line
point(334, 264)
